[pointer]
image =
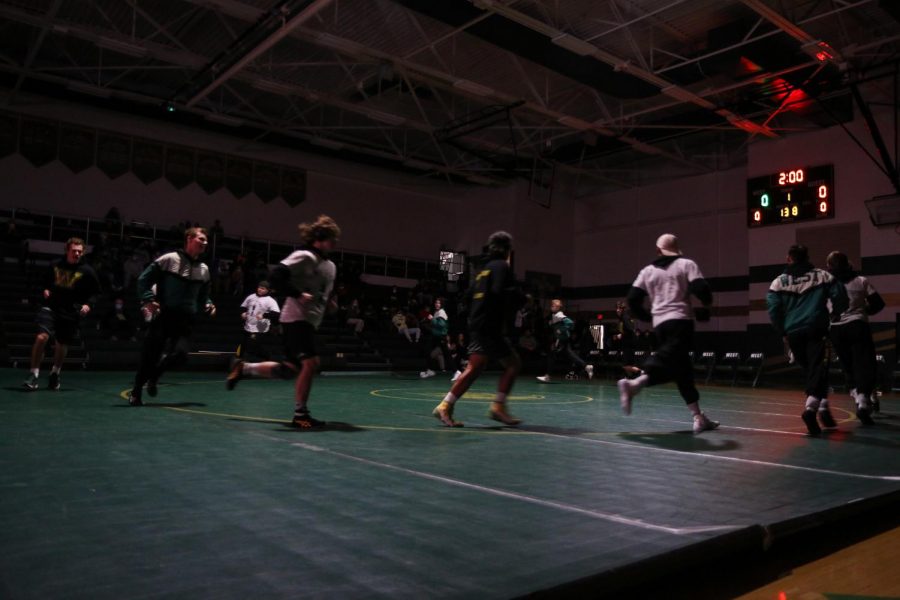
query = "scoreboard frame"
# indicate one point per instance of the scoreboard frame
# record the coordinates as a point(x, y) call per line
point(791, 196)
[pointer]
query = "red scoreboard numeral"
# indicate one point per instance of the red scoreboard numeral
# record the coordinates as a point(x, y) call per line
point(823, 191)
point(823, 207)
point(757, 216)
point(796, 176)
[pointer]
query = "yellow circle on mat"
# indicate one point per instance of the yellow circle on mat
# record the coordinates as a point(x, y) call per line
point(431, 396)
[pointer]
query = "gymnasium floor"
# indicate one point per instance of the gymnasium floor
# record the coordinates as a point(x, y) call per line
point(207, 494)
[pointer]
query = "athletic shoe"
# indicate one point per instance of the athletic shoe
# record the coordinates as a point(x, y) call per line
point(498, 413)
point(809, 417)
point(864, 414)
point(589, 369)
point(305, 421)
point(826, 418)
point(152, 388)
point(427, 374)
point(626, 394)
point(53, 384)
point(443, 412)
point(31, 382)
point(456, 376)
point(235, 374)
point(703, 423)
point(571, 376)
point(134, 399)
point(543, 378)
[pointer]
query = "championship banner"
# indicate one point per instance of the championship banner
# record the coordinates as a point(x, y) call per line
point(39, 141)
point(293, 186)
point(179, 166)
point(147, 161)
point(76, 148)
point(113, 154)
point(266, 181)
point(9, 134)
point(210, 172)
point(239, 177)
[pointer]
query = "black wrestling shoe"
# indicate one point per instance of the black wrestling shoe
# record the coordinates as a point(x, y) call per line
point(809, 417)
point(152, 388)
point(827, 419)
point(53, 384)
point(31, 382)
point(134, 399)
point(864, 414)
point(305, 421)
point(235, 374)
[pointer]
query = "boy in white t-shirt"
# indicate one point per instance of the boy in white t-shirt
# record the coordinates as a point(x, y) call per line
point(259, 308)
point(669, 282)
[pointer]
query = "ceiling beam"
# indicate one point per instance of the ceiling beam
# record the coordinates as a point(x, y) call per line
point(301, 17)
point(584, 48)
point(482, 94)
point(818, 49)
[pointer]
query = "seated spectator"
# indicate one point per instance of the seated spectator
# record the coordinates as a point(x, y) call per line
point(354, 317)
point(412, 326)
point(117, 322)
point(401, 321)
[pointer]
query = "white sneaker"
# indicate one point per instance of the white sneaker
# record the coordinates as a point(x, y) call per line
point(456, 376)
point(626, 393)
point(543, 378)
point(703, 423)
point(590, 371)
point(427, 374)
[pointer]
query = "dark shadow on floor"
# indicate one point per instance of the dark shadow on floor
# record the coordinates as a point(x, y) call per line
point(573, 431)
point(685, 441)
point(329, 426)
point(161, 405)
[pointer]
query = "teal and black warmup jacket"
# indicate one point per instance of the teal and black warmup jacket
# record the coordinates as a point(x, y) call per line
point(182, 283)
point(798, 299)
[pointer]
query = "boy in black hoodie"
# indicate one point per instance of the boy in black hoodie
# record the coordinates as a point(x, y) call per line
point(68, 290)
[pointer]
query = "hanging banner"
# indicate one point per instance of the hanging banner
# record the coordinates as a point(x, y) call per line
point(39, 141)
point(147, 161)
point(293, 186)
point(76, 148)
point(239, 177)
point(266, 181)
point(113, 154)
point(179, 166)
point(9, 134)
point(210, 172)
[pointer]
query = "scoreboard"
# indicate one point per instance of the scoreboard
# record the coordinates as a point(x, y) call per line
point(790, 196)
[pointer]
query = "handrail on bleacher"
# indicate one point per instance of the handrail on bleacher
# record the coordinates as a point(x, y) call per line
point(58, 227)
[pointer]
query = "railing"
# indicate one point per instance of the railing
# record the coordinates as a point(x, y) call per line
point(60, 227)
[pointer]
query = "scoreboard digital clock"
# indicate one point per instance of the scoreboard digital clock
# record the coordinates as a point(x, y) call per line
point(790, 196)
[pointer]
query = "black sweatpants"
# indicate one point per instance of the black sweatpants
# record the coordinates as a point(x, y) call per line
point(854, 346)
point(564, 351)
point(672, 361)
point(809, 352)
point(166, 345)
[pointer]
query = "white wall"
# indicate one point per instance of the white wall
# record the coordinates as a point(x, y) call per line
point(615, 233)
